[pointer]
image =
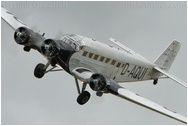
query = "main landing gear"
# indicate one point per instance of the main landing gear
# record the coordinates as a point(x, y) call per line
point(84, 96)
point(41, 69)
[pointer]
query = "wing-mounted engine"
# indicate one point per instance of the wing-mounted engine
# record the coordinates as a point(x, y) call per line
point(28, 38)
point(22, 35)
point(97, 82)
point(100, 83)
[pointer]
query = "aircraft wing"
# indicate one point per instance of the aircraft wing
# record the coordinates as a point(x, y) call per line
point(135, 98)
point(11, 20)
point(112, 87)
point(126, 49)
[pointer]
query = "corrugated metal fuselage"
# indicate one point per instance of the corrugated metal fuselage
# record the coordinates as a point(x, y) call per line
point(112, 62)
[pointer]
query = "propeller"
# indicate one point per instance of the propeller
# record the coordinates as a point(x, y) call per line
point(50, 48)
point(22, 36)
point(97, 82)
point(58, 35)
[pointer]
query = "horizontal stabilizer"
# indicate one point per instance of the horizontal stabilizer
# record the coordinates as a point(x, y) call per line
point(171, 76)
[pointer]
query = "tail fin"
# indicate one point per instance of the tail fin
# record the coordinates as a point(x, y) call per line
point(165, 60)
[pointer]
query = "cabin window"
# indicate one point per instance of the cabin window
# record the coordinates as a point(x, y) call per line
point(107, 60)
point(113, 62)
point(84, 53)
point(96, 57)
point(102, 58)
point(118, 65)
point(90, 55)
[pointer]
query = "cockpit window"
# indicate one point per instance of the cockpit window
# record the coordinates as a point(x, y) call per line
point(73, 40)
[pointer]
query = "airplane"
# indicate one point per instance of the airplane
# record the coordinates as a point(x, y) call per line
point(96, 64)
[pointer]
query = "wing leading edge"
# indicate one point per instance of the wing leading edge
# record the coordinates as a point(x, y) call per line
point(126, 49)
point(11, 20)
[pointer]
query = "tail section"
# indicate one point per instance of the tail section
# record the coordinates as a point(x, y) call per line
point(165, 60)
point(171, 76)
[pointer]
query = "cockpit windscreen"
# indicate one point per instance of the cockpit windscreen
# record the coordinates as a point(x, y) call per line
point(73, 40)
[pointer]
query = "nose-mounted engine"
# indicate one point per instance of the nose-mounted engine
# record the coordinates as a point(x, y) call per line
point(50, 48)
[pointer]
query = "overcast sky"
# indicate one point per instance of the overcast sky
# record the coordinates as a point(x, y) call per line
point(146, 27)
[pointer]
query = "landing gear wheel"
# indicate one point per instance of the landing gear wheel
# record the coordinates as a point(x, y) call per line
point(39, 70)
point(83, 97)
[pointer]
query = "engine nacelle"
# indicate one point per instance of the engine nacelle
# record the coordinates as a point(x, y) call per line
point(22, 35)
point(100, 83)
point(28, 38)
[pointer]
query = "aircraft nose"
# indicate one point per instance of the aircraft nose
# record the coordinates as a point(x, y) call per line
point(50, 48)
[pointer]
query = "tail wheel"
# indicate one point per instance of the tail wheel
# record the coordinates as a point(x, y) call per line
point(155, 81)
point(83, 97)
point(39, 70)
